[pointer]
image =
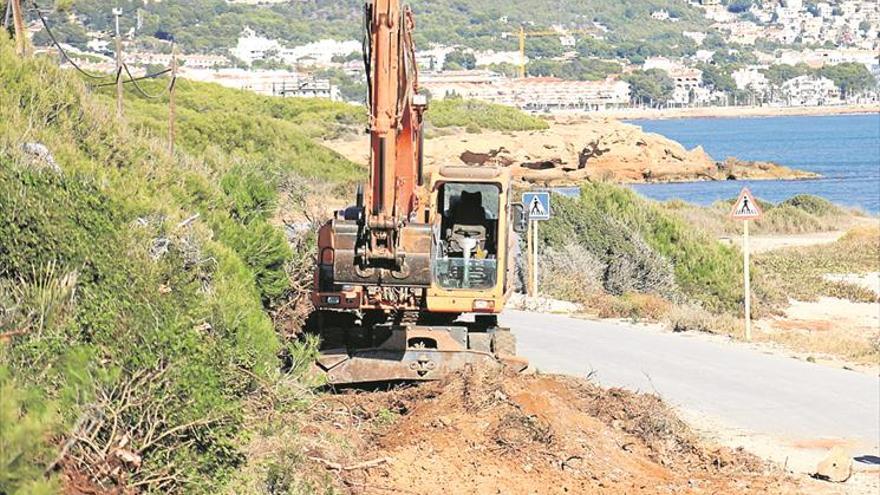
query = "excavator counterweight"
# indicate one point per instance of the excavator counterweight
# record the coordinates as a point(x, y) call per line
point(410, 279)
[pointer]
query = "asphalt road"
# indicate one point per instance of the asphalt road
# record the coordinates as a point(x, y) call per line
point(759, 392)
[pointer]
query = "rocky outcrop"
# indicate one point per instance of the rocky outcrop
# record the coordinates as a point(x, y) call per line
point(591, 149)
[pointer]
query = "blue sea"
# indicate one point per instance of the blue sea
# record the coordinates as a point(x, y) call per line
point(845, 150)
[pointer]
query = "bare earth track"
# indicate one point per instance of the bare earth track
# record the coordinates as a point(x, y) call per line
point(486, 433)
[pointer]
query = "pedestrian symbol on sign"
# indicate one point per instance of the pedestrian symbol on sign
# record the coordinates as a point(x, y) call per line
point(745, 207)
point(537, 205)
point(537, 208)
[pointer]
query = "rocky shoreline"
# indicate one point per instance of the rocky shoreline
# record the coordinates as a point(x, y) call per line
point(595, 149)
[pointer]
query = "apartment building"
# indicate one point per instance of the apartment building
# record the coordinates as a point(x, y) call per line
point(536, 94)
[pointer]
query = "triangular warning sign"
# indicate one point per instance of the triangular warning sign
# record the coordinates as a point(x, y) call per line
point(537, 207)
point(745, 207)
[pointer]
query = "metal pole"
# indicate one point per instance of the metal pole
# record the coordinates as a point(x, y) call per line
point(535, 259)
point(119, 81)
point(529, 289)
point(171, 102)
point(747, 281)
point(20, 33)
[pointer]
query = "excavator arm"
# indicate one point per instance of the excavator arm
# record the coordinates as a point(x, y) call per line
point(396, 113)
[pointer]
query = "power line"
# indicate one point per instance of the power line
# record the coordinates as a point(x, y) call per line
point(58, 45)
point(132, 80)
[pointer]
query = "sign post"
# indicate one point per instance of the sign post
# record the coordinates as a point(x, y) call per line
point(746, 208)
point(537, 206)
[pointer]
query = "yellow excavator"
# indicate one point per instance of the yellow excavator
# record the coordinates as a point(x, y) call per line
point(410, 279)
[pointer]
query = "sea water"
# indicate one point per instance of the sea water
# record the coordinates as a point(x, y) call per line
point(844, 149)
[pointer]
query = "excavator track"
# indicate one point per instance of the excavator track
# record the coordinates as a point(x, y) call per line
point(404, 351)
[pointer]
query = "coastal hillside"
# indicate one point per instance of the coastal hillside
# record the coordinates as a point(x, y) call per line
point(214, 25)
point(141, 293)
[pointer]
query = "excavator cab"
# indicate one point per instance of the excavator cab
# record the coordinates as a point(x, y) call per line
point(466, 249)
point(473, 223)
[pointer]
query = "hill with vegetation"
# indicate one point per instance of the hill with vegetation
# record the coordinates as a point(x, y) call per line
point(214, 25)
point(147, 298)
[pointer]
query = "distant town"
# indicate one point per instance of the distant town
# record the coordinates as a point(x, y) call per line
point(825, 54)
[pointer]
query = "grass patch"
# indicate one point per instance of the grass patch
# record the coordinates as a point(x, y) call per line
point(273, 135)
point(799, 214)
point(799, 273)
point(477, 116)
point(859, 349)
point(689, 318)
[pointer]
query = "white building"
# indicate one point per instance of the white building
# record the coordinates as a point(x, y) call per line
point(490, 57)
point(190, 61)
point(665, 64)
point(537, 94)
point(319, 53)
point(98, 45)
point(265, 82)
point(660, 15)
point(697, 36)
point(251, 47)
point(751, 79)
point(810, 91)
point(688, 86)
point(687, 80)
point(307, 88)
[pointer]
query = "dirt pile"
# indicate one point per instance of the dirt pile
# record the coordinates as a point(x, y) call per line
point(490, 433)
point(591, 149)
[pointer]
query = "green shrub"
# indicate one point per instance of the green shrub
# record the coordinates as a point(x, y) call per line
point(268, 134)
point(26, 425)
point(265, 251)
point(477, 115)
point(801, 272)
point(251, 193)
point(571, 273)
point(628, 265)
point(813, 205)
point(689, 318)
point(786, 218)
point(646, 248)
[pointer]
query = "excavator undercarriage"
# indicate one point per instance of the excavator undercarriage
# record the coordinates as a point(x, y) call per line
point(361, 352)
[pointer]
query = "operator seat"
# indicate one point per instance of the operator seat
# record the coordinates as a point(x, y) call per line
point(469, 220)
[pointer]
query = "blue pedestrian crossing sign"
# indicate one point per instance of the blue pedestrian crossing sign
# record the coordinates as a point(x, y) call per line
point(537, 205)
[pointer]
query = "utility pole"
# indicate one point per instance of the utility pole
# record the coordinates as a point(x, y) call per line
point(119, 81)
point(20, 33)
point(522, 52)
point(8, 15)
point(171, 90)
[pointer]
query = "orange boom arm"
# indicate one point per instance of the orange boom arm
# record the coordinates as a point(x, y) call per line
point(396, 111)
